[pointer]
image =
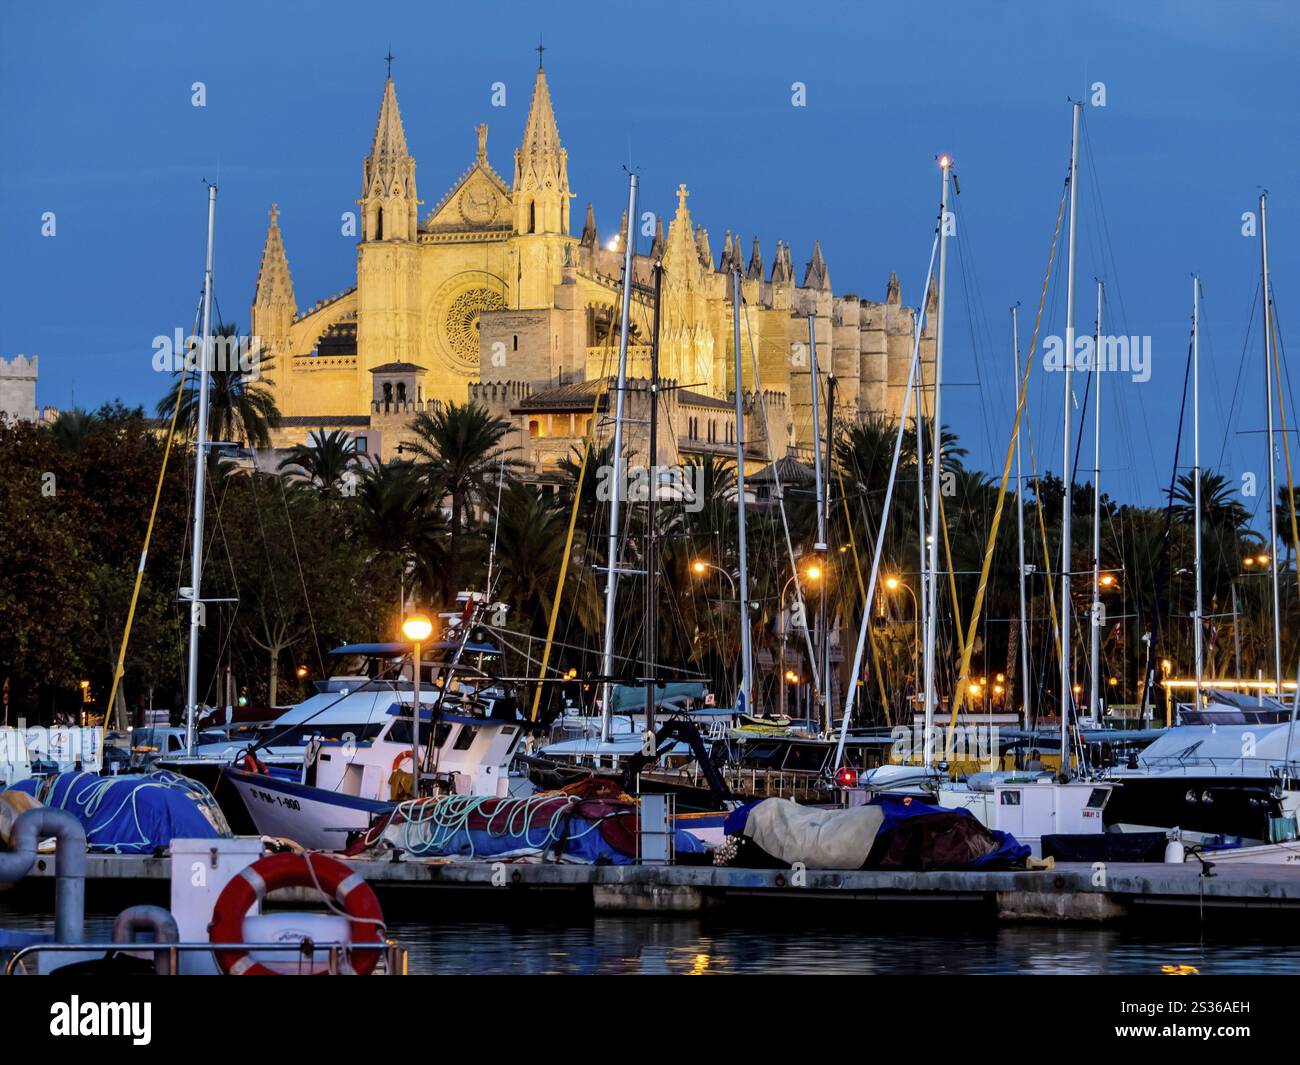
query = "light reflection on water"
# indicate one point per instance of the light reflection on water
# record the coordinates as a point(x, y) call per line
point(611, 945)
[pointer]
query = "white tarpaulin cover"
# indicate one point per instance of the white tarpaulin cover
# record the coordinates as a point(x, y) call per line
point(821, 839)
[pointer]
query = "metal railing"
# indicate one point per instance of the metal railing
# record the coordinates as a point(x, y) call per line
point(166, 955)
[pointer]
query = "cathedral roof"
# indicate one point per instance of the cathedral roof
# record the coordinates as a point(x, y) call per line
point(576, 396)
point(482, 203)
point(398, 367)
point(790, 469)
point(699, 399)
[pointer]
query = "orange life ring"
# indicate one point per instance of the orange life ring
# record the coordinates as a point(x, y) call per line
point(309, 869)
point(402, 756)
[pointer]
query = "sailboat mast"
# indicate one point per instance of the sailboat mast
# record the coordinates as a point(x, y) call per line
point(616, 493)
point(651, 529)
point(827, 619)
point(200, 477)
point(936, 463)
point(1094, 691)
point(1272, 472)
point(921, 554)
point(819, 479)
point(1020, 530)
point(1196, 477)
point(745, 696)
point(1067, 471)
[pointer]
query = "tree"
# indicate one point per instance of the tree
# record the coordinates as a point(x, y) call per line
point(325, 461)
point(457, 451)
point(239, 409)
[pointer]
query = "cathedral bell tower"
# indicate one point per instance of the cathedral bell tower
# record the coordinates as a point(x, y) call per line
point(541, 204)
point(388, 265)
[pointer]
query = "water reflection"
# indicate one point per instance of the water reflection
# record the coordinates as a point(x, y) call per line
point(706, 946)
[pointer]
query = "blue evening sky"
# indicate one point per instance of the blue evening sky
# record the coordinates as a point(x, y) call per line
point(96, 125)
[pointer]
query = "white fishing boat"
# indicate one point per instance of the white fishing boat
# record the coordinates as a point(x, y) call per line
point(358, 761)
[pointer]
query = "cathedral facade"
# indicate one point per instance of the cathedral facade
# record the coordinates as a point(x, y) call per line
point(486, 296)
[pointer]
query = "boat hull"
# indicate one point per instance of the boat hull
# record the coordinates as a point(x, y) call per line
point(314, 818)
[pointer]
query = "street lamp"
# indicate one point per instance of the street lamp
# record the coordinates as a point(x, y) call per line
point(699, 567)
point(893, 584)
point(812, 573)
point(416, 628)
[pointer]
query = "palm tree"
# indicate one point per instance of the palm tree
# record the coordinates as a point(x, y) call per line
point(530, 536)
point(71, 428)
point(1220, 508)
point(399, 521)
point(239, 409)
point(457, 450)
point(325, 460)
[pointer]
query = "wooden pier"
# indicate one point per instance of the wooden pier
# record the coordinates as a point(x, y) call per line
point(1069, 892)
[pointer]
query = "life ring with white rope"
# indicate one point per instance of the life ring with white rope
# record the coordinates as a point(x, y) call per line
point(328, 875)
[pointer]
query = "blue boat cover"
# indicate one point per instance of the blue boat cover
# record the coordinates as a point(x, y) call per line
point(132, 814)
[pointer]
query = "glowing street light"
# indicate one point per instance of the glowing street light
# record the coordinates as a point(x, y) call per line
point(699, 567)
point(417, 628)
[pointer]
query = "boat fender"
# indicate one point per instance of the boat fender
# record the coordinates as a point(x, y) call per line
point(328, 875)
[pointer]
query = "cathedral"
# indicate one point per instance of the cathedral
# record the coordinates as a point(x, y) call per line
point(486, 296)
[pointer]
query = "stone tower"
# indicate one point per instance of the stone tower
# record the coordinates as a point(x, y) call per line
point(274, 306)
point(388, 266)
point(540, 196)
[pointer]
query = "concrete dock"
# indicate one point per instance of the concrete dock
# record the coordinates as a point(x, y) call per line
point(1069, 892)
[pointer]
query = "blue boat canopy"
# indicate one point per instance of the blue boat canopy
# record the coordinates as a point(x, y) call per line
point(372, 649)
point(386, 649)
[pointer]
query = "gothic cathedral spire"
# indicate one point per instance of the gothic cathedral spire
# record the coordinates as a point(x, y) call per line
point(541, 190)
point(389, 205)
point(274, 306)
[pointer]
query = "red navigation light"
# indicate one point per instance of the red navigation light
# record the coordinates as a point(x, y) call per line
point(847, 777)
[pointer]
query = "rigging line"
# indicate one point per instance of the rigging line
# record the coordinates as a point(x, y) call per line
point(862, 590)
point(780, 494)
point(587, 447)
point(120, 669)
point(1162, 576)
point(556, 671)
point(1294, 545)
point(1241, 369)
point(963, 677)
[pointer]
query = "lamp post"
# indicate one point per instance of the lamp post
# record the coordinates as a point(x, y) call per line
point(416, 628)
point(813, 574)
point(699, 567)
point(893, 584)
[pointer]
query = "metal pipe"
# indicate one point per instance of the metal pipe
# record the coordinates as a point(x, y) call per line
point(69, 865)
point(149, 919)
